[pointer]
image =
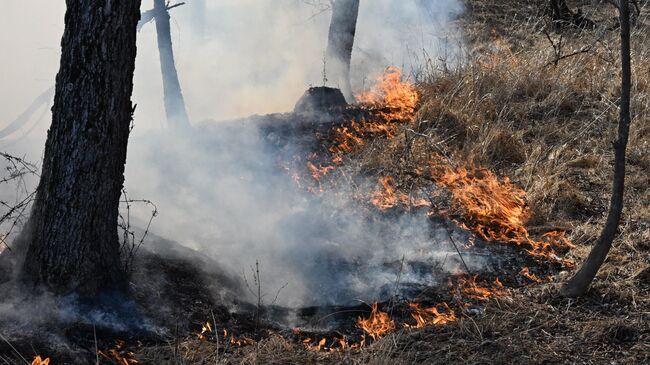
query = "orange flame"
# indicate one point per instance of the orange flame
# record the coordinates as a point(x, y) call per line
point(425, 317)
point(205, 329)
point(377, 325)
point(393, 98)
point(387, 196)
point(119, 354)
point(318, 172)
point(39, 361)
point(390, 100)
point(470, 289)
point(525, 272)
point(496, 209)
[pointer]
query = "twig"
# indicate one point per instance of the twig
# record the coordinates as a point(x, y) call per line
point(96, 348)
point(216, 335)
point(13, 348)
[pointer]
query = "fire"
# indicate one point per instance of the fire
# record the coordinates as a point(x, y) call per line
point(393, 98)
point(470, 289)
point(242, 341)
point(119, 354)
point(205, 329)
point(314, 346)
point(39, 361)
point(496, 209)
point(525, 272)
point(378, 324)
point(387, 196)
point(425, 317)
point(318, 172)
point(390, 100)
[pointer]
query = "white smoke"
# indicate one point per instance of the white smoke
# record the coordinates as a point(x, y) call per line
point(224, 194)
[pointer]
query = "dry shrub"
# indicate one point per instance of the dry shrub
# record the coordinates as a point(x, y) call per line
point(505, 148)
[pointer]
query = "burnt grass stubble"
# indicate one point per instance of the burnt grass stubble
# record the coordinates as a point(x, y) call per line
point(173, 291)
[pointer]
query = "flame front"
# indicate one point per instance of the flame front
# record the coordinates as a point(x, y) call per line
point(378, 324)
point(496, 210)
point(392, 98)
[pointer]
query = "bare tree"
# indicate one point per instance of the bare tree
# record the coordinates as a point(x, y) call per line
point(579, 283)
point(71, 241)
point(340, 43)
point(174, 101)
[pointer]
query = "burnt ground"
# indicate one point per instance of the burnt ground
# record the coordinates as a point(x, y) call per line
point(548, 128)
point(176, 290)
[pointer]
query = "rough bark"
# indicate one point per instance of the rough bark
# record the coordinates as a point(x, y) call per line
point(340, 43)
point(579, 283)
point(174, 102)
point(72, 240)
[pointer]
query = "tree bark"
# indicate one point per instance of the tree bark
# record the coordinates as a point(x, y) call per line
point(71, 238)
point(340, 43)
point(174, 102)
point(579, 283)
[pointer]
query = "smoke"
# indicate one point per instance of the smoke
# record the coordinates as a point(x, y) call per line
point(221, 191)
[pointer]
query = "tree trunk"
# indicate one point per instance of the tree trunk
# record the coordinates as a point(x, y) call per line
point(561, 10)
point(340, 42)
point(174, 102)
point(579, 284)
point(199, 8)
point(563, 15)
point(71, 238)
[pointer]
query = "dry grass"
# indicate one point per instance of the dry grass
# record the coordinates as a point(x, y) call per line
point(549, 128)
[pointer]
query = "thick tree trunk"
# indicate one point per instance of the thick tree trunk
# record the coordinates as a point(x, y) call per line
point(71, 241)
point(174, 102)
point(340, 43)
point(579, 284)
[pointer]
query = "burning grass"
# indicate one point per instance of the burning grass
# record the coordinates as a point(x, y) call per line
point(517, 151)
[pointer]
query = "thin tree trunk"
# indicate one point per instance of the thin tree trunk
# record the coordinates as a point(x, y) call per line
point(174, 102)
point(199, 8)
point(340, 43)
point(579, 284)
point(71, 239)
point(41, 100)
point(561, 10)
point(563, 15)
